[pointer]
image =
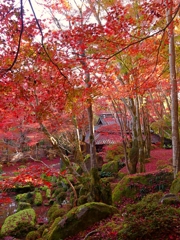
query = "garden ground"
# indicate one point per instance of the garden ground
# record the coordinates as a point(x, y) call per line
point(159, 158)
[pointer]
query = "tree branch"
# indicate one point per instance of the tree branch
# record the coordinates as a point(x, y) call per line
point(3, 71)
point(42, 41)
point(142, 39)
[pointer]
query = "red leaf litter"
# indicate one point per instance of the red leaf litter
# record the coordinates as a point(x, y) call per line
point(29, 163)
point(159, 157)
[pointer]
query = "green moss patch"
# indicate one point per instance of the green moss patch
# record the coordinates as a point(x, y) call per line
point(79, 218)
point(175, 187)
point(135, 187)
point(19, 224)
point(149, 221)
point(38, 199)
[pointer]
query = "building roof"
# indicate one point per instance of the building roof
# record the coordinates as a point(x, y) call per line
point(107, 130)
point(106, 138)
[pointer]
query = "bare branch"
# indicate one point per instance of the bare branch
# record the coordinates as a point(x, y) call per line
point(42, 41)
point(3, 71)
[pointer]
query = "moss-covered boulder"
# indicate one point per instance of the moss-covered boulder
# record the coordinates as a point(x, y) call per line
point(23, 205)
point(25, 197)
point(175, 187)
point(149, 221)
point(19, 224)
point(48, 193)
point(61, 197)
point(170, 199)
point(135, 187)
point(78, 219)
point(110, 167)
point(33, 235)
point(153, 197)
point(55, 211)
point(38, 199)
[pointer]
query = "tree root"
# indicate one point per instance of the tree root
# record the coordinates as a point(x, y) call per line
point(89, 234)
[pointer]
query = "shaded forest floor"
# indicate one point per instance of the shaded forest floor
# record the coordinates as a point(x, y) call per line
point(159, 157)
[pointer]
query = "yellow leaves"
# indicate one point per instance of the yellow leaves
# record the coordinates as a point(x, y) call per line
point(108, 3)
point(58, 5)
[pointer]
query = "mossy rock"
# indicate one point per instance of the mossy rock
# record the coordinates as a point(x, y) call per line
point(149, 221)
point(121, 175)
point(136, 186)
point(175, 187)
point(38, 199)
point(48, 193)
point(106, 192)
point(170, 199)
point(19, 224)
point(23, 205)
point(79, 219)
point(55, 207)
point(111, 167)
point(56, 191)
point(153, 197)
point(44, 188)
point(55, 211)
point(41, 228)
point(33, 235)
point(82, 200)
point(61, 197)
point(25, 197)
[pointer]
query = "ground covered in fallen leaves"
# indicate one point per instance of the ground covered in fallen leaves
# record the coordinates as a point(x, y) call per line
point(159, 158)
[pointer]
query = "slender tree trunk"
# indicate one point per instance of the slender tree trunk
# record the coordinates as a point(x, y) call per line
point(146, 129)
point(139, 136)
point(174, 91)
point(79, 154)
point(91, 138)
point(123, 129)
point(134, 151)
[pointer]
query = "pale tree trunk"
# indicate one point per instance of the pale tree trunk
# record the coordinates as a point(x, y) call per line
point(146, 128)
point(92, 145)
point(139, 136)
point(79, 154)
point(174, 90)
point(57, 146)
point(134, 151)
point(123, 128)
point(91, 138)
